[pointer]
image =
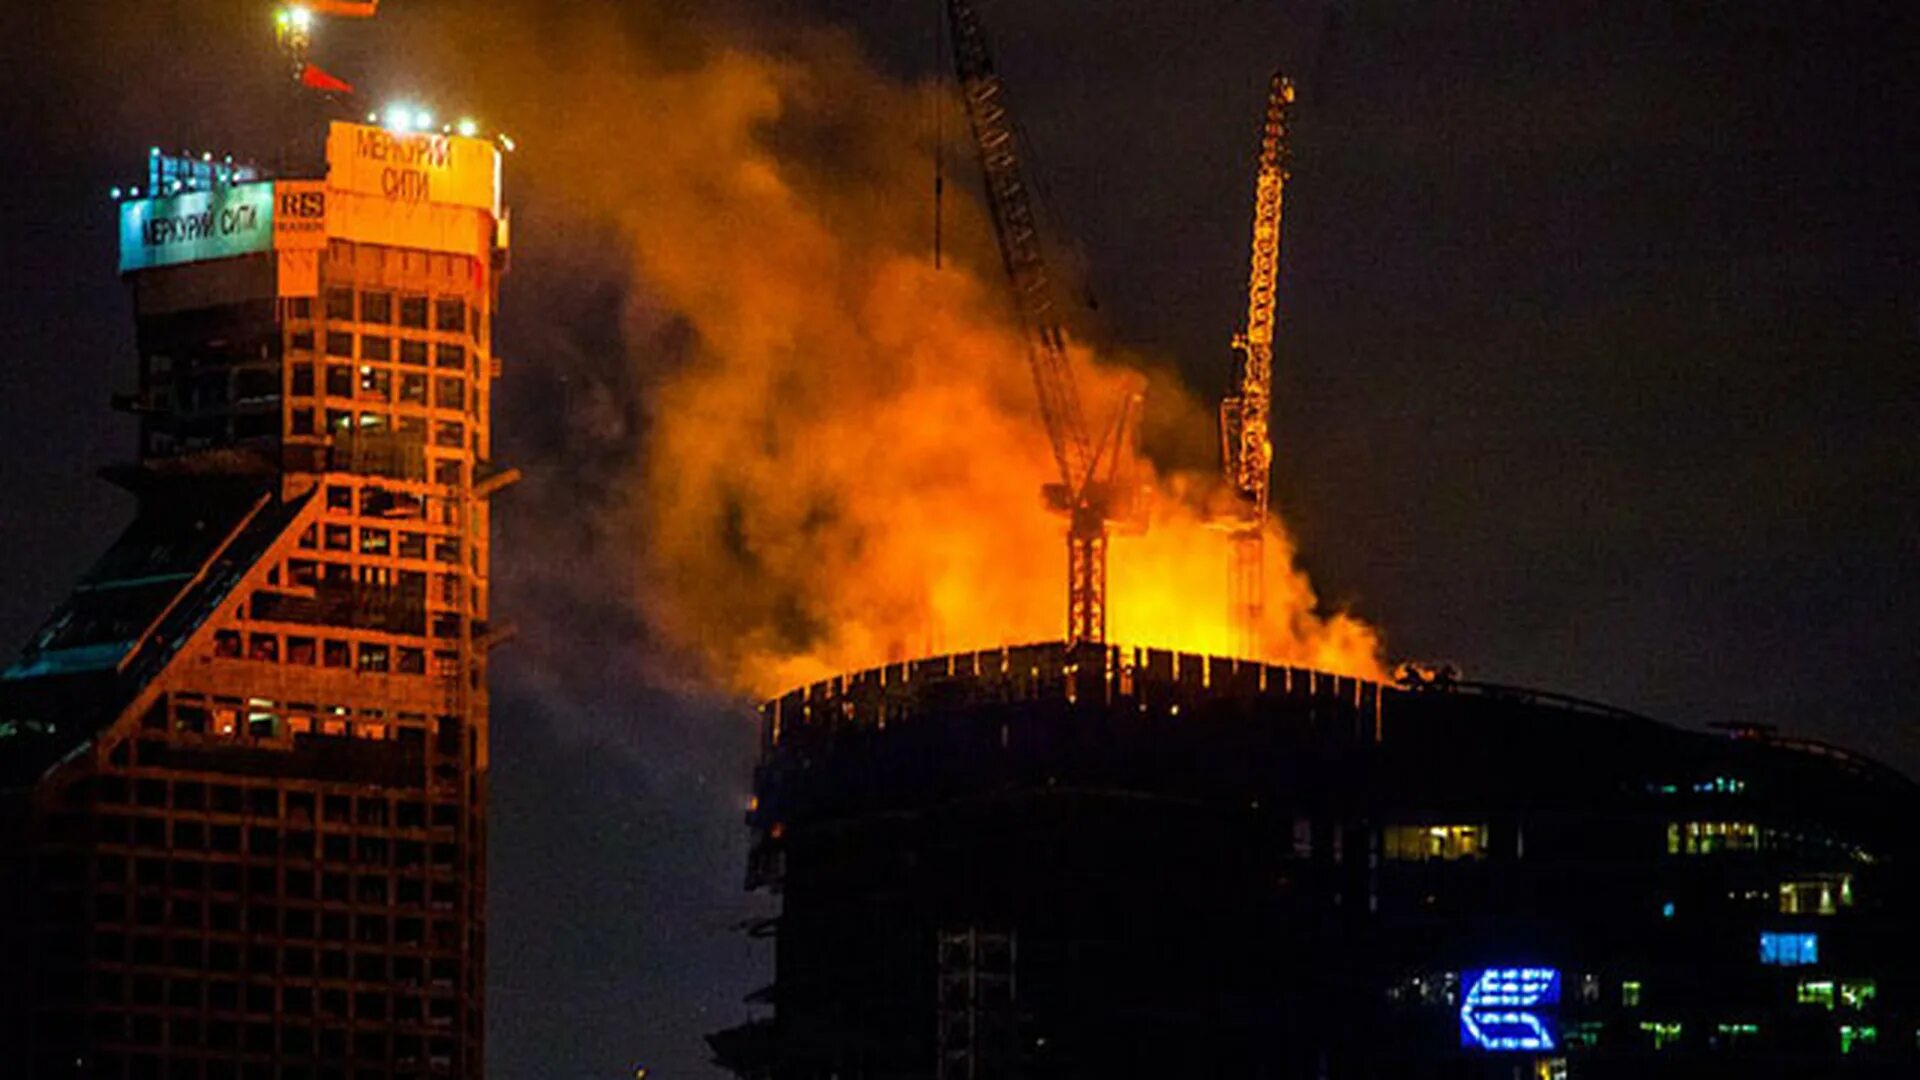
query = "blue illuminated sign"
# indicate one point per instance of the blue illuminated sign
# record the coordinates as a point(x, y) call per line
point(1509, 1008)
point(1789, 949)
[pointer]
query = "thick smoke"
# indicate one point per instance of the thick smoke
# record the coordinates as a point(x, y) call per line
point(837, 454)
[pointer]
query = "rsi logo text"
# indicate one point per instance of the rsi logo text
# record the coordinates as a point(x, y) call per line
point(303, 204)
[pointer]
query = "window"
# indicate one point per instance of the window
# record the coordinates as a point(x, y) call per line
point(413, 388)
point(450, 434)
point(413, 353)
point(339, 343)
point(302, 341)
point(300, 307)
point(302, 421)
point(450, 356)
point(1822, 895)
point(449, 393)
point(413, 312)
point(1664, 1033)
point(373, 658)
point(1850, 994)
point(1712, 837)
point(339, 380)
point(1789, 948)
point(450, 314)
point(376, 384)
point(335, 654)
point(376, 348)
point(301, 650)
point(339, 538)
point(1630, 994)
point(340, 304)
point(376, 307)
point(303, 380)
point(1418, 843)
point(1854, 1036)
point(1738, 1033)
point(375, 541)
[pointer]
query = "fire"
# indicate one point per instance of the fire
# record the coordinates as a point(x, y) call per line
point(844, 468)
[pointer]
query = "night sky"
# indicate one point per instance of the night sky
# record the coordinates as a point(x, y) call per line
point(1597, 373)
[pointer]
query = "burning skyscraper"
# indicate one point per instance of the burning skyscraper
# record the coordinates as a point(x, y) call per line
point(243, 768)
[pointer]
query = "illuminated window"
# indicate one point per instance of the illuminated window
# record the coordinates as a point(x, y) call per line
point(1853, 1036)
point(1823, 895)
point(1584, 1034)
point(1712, 837)
point(1419, 843)
point(1630, 994)
point(1857, 993)
point(1814, 992)
point(1735, 1034)
point(1665, 1033)
point(1789, 949)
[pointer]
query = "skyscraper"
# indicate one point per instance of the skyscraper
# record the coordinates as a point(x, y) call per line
point(243, 767)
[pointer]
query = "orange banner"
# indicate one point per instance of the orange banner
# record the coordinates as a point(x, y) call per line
point(413, 168)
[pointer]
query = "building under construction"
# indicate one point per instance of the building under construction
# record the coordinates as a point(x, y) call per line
point(243, 768)
point(1049, 861)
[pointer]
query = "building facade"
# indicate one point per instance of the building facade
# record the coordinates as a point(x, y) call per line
point(243, 768)
point(1046, 862)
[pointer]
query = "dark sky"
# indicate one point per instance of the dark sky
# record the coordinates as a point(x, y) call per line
point(1597, 373)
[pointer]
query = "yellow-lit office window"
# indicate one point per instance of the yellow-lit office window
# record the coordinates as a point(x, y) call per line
point(1712, 837)
point(1822, 895)
point(1419, 843)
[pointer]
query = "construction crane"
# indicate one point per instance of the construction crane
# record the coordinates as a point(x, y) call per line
point(293, 26)
point(1095, 491)
point(1246, 448)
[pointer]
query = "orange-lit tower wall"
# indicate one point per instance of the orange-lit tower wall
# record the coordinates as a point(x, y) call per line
point(243, 769)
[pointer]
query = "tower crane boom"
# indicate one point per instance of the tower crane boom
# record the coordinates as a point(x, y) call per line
point(1091, 499)
point(1246, 444)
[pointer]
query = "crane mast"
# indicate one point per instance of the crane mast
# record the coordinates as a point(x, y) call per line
point(1246, 445)
point(1091, 500)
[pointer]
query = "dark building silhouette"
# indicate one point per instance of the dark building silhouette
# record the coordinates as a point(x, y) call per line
point(1039, 862)
point(243, 768)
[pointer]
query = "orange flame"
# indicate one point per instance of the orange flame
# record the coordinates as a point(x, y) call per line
point(848, 470)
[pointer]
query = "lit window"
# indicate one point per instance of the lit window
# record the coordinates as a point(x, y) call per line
point(1824, 895)
point(1815, 992)
point(1630, 994)
point(1789, 949)
point(1856, 994)
point(1712, 837)
point(1737, 1033)
point(1418, 843)
point(1665, 1032)
point(1852, 1036)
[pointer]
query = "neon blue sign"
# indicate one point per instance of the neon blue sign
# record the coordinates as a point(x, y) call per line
point(1789, 948)
point(1509, 1008)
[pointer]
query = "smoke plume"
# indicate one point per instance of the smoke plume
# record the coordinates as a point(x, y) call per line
point(838, 453)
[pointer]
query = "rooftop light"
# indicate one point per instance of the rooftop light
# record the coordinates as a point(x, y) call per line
point(469, 128)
